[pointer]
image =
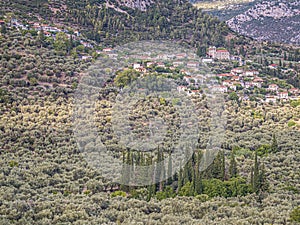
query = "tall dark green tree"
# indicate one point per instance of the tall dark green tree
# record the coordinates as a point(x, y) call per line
point(262, 181)
point(169, 174)
point(3, 29)
point(274, 145)
point(233, 171)
point(255, 184)
point(198, 176)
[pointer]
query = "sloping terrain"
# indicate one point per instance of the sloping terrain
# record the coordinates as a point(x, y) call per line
point(44, 178)
point(276, 20)
point(116, 22)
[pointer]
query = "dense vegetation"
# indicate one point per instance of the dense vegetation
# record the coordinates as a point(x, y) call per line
point(45, 180)
point(166, 20)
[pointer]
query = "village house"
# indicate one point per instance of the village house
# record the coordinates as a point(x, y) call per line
point(195, 92)
point(207, 60)
point(86, 44)
point(141, 69)
point(248, 85)
point(237, 71)
point(232, 87)
point(237, 58)
point(2, 22)
point(49, 28)
point(226, 83)
point(273, 66)
point(181, 88)
point(220, 88)
point(224, 75)
point(250, 73)
point(136, 65)
point(47, 34)
point(86, 57)
point(235, 78)
point(107, 50)
point(37, 27)
point(181, 56)
point(239, 83)
point(177, 63)
point(148, 64)
point(245, 98)
point(273, 87)
point(270, 98)
point(221, 54)
point(112, 55)
point(283, 95)
point(163, 57)
point(187, 79)
point(77, 33)
point(192, 64)
point(294, 91)
point(257, 82)
point(198, 79)
point(160, 64)
point(185, 72)
point(229, 84)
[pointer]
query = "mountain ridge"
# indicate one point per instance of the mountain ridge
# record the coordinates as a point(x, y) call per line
point(276, 20)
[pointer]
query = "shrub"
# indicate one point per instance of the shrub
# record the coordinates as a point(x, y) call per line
point(295, 214)
point(118, 193)
point(291, 123)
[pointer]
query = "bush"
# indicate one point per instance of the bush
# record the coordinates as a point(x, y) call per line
point(118, 193)
point(291, 123)
point(295, 214)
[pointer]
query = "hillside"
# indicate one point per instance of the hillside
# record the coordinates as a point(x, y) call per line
point(276, 20)
point(113, 23)
point(53, 56)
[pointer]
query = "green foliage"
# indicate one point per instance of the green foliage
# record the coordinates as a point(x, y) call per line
point(202, 197)
point(233, 96)
point(13, 163)
point(274, 144)
point(185, 190)
point(295, 103)
point(125, 77)
point(264, 150)
point(291, 123)
point(230, 188)
point(51, 183)
point(118, 193)
point(167, 193)
point(62, 43)
point(295, 215)
point(233, 172)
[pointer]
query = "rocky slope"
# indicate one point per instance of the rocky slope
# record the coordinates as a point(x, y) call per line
point(276, 20)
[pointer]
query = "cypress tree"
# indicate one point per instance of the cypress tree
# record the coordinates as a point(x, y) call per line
point(158, 168)
point(223, 166)
point(256, 174)
point(170, 180)
point(263, 185)
point(274, 145)
point(198, 179)
point(252, 178)
point(233, 165)
point(180, 180)
point(126, 171)
point(152, 187)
